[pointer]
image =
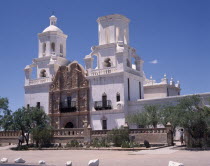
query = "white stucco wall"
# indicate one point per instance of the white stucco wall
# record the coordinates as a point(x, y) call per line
point(114, 119)
point(113, 28)
point(137, 106)
point(160, 91)
point(151, 92)
point(37, 93)
point(111, 85)
point(134, 87)
point(173, 91)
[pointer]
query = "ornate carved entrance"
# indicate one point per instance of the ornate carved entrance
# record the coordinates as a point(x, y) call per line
point(69, 125)
point(68, 97)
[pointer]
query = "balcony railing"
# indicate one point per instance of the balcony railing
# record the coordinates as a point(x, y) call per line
point(66, 107)
point(40, 81)
point(98, 72)
point(100, 105)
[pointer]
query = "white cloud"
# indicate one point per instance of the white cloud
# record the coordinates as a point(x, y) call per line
point(154, 61)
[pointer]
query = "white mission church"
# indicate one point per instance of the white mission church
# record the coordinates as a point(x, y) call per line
point(115, 88)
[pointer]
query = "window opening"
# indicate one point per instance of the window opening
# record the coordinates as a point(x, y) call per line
point(104, 124)
point(104, 100)
point(118, 97)
point(107, 62)
point(128, 89)
point(53, 47)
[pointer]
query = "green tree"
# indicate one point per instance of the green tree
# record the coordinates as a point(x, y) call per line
point(170, 114)
point(32, 120)
point(5, 114)
point(194, 118)
point(139, 119)
point(150, 116)
point(4, 104)
point(118, 136)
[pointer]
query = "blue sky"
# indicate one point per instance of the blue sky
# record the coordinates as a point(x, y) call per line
point(176, 33)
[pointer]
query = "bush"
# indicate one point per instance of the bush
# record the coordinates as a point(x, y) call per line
point(95, 142)
point(147, 144)
point(73, 143)
point(118, 136)
point(42, 137)
point(126, 144)
point(22, 147)
point(99, 142)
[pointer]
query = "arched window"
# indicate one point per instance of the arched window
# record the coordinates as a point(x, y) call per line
point(61, 48)
point(118, 97)
point(43, 73)
point(104, 100)
point(53, 47)
point(107, 62)
point(43, 47)
point(104, 123)
point(69, 125)
point(128, 63)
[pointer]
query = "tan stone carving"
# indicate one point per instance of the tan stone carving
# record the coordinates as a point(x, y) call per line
point(69, 81)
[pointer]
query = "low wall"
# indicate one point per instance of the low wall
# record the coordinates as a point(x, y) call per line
point(66, 135)
point(154, 136)
point(9, 137)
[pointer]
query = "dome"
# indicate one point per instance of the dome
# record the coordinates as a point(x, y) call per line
point(53, 28)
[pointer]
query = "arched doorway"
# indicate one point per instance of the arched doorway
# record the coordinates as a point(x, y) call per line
point(69, 125)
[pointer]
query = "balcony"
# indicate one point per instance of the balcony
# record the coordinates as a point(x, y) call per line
point(100, 105)
point(40, 81)
point(98, 72)
point(66, 107)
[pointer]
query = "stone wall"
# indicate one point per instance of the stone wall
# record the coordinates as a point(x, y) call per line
point(66, 135)
point(9, 137)
point(154, 136)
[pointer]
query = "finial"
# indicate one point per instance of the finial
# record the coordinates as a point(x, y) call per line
point(171, 81)
point(53, 12)
point(151, 77)
point(165, 75)
point(53, 20)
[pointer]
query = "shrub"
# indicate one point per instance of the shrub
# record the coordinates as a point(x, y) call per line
point(73, 143)
point(146, 144)
point(42, 136)
point(99, 142)
point(95, 142)
point(22, 147)
point(118, 136)
point(126, 144)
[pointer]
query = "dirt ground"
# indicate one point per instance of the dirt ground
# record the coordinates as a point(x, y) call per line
point(159, 157)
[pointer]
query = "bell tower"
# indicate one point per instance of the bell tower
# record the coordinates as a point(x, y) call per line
point(39, 74)
point(113, 29)
point(118, 77)
point(52, 41)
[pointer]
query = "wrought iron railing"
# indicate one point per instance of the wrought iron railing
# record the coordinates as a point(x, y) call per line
point(103, 105)
point(66, 107)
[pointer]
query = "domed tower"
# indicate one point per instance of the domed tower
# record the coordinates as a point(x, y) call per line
point(51, 55)
point(52, 41)
point(115, 73)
